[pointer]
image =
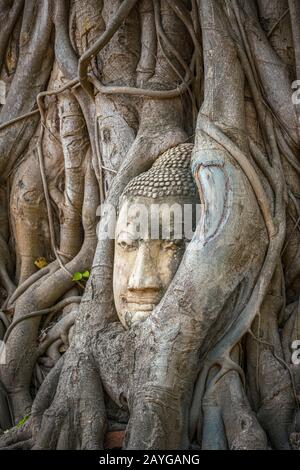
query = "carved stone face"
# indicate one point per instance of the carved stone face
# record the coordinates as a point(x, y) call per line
point(144, 267)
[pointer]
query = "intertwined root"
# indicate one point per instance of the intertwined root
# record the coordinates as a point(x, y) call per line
point(220, 288)
point(228, 420)
point(70, 411)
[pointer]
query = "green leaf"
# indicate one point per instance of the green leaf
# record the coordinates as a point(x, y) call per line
point(86, 274)
point(77, 276)
point(22, 421)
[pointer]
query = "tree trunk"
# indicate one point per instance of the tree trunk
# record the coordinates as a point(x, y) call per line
point(96, 91)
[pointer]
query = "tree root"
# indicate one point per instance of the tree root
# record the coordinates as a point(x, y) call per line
point(43, 294)
point(236, 426)
point(59, 330)
point(56, 308)
point(111, 29)
point(79, 398)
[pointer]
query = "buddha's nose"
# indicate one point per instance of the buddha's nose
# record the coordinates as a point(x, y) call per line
point(144, 274)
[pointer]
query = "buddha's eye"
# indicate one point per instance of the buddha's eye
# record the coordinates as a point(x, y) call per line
point(172, 244)
point(128, 245)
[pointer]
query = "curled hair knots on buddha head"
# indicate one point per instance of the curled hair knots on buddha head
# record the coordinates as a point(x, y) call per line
point(170, 175)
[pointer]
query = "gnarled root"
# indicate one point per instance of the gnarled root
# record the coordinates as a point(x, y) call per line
point(278, 402)
point(21, 346)
point(76, 418)
point(228, 420)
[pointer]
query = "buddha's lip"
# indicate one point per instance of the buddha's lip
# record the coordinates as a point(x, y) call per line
point(143, 300)
point(140, 308)
point(141, 305)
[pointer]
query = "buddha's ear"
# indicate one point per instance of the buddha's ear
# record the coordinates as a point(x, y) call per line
point(213, 183)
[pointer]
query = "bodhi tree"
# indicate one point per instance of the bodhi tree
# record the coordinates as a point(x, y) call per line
point(180, 343)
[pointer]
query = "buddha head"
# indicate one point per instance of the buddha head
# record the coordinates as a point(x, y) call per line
point(150, 237)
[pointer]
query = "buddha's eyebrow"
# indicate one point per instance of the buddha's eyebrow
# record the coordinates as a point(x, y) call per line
point(127, 234)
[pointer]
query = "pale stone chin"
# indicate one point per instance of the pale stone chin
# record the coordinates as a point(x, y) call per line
point(136, 317)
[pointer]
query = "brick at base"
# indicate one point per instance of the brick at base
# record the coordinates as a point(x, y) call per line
point(114, 440)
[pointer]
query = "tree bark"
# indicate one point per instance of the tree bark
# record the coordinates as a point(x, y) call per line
point(97, 90)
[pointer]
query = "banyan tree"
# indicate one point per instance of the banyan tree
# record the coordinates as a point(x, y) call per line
point(175, 342)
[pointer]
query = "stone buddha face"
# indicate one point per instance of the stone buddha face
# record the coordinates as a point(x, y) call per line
point(150, 238)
